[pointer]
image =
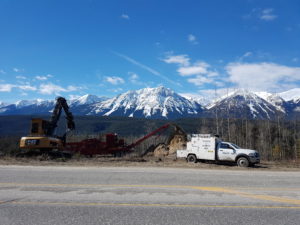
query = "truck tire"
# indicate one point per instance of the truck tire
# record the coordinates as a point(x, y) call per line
point(243, 162)
point(192, 159)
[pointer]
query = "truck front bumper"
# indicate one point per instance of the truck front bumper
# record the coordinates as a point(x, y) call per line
point(254, 160)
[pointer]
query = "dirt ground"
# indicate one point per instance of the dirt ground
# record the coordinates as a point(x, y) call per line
point(146, 161)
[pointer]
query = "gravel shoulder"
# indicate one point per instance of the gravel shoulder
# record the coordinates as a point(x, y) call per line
point(145, 162)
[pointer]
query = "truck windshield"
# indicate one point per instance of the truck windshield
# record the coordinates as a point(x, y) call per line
point(235, 146)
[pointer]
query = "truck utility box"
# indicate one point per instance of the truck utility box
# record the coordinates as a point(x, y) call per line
point(203, 145)
point(210, 147)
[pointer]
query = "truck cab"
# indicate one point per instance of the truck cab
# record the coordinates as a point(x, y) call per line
point(209, 147)
point(227, 151)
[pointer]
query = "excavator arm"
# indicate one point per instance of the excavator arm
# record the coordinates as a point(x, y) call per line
point(61, 104)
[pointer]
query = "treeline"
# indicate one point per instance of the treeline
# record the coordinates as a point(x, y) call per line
point(275, 140)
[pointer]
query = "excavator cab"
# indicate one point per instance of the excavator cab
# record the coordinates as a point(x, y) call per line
point(38, 139)
point(38, 127)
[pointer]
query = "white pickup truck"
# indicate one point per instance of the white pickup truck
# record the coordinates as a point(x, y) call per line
point(209, 147)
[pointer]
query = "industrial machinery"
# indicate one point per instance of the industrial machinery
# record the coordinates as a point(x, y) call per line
point(112, 145)
point(42, 134)
point(42, 137)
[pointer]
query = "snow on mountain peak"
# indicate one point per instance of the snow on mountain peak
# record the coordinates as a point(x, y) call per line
point(244, 102)
point(290, 95)
point(23, 103)
point(148, 102)
point(244, 93)
point(87, 99)
point(161, 102)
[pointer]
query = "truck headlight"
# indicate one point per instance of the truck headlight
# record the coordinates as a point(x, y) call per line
point(255, 154)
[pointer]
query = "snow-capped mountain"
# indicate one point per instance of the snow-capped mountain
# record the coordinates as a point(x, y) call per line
point(164, 103)
point(28, 107)
point(158, 102)
point(291, 95)
point(86, 99)
point(244, 104)
point(196, 98)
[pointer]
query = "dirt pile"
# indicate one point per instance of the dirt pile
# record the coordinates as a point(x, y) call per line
point(161, 150)
point(176, 143)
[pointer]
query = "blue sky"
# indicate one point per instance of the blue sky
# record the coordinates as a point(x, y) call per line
point(72, 48)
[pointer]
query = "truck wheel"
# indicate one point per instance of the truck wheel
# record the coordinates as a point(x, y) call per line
point(192, 159)
point(243, 162)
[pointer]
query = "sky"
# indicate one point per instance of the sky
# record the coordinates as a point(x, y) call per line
point(107, 47)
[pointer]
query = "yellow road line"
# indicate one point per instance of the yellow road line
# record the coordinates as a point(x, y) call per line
point(150, 205)
point(210, 189)
point(250, 195)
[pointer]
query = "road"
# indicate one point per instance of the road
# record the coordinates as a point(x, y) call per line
point(136, 195)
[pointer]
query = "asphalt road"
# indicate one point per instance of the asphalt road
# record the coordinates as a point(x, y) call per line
point(115, 195)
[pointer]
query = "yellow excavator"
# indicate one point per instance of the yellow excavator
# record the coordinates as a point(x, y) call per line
point(42, 133)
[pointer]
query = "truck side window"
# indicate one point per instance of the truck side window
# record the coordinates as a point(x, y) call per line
point(224, 146)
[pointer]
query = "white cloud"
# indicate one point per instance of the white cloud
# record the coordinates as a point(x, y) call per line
point(212, 74)
point(116, 90)
point(44, 77)
point(9, 87)
point(41, 77)
point(18, 70)
point(43, 88)
point(247, 54)
point(73, 97)
point(197, 68)
point(73, 88)
point(262, 14)
point(51, 88)
point(21, 77)
point(2, 72)
point(267, 15)
point(6, 87)
point(263, 76)
point(182, 60)
point(200, 80)
point(125, 16)
point(199, 73)
point(134, 78)
point(114, 80)
point(295, 59)
point(192, 39)
point(27, 87)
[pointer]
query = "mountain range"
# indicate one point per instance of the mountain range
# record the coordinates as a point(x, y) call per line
point(164, 103)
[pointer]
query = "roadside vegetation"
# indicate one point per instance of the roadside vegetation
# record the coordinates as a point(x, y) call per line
point(275, 140)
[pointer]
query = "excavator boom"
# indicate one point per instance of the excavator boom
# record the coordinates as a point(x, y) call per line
point(61, 104)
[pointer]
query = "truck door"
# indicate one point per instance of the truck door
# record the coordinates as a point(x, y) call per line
point(226, 152)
